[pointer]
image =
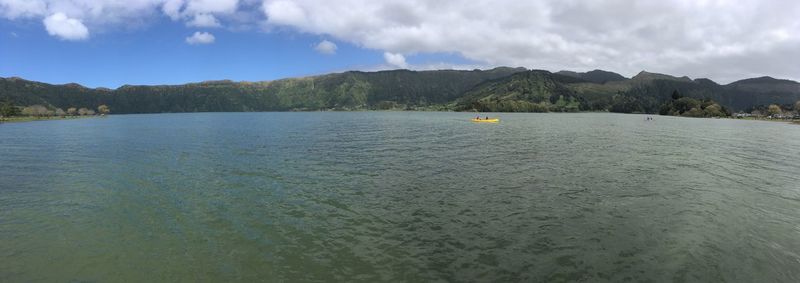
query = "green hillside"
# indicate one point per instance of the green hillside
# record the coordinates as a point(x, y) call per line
point(596, 76)
point(343, 91)
point(531, 91)
point(499, 89)
point(537, 91)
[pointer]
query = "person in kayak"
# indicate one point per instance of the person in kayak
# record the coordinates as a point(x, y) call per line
point(487, 117)
point(478, 118)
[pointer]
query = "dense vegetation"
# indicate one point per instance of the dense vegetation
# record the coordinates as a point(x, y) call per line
point(341, 91)
point(776, 110)
point(500, 89)
point(8, 110)
point(690, 107)
point(531, 91)
point(596, 76)
point(542, 91)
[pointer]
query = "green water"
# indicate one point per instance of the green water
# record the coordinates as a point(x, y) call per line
point(396, 196)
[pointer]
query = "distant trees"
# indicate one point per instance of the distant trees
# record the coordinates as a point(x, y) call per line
point(774, 109)
point(85, 112)
point(7, 109)
point(504, 89)
point(562, 104)
point(715, 110)
point(621, 103)
point(690, 107)
point(386, 105)
point(103, 109)
point(676, 95)
point(684, 104)
point(532, 91)
point(36, 111)
point(694, 112)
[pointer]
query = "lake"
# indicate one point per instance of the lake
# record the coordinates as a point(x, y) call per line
point(399, 196)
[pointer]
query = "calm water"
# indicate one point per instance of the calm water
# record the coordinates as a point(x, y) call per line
point(395, 196)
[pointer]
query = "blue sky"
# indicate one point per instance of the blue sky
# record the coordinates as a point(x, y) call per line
point(160, 54)
point(109, 43)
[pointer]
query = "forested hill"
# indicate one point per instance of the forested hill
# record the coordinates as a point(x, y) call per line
point(345, 91)
point(499, 89)
point(596, 76)
point(536, 91)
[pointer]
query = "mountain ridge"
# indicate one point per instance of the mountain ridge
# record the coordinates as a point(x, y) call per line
point(596, 76)
point(595, 90)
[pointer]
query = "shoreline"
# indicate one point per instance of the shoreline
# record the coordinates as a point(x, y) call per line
point(796, 122)
point(35, 119)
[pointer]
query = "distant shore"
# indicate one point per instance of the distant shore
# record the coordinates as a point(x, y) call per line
point(18, 119)
point(797, 122)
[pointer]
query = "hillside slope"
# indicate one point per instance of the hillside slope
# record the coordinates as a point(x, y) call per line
point(499, 89)
point(644, 93)
point(347, 91)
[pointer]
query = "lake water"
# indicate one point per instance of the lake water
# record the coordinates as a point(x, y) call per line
point(399, 196)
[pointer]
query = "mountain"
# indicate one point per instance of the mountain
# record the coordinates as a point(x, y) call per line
point(541, 91)
point(765, 85)
point(596, 76)
point(346, 91)
point(706, 82)
point(531, 91)
point(499, 89)
point(749, 93)
point(644, 93)
point(644, 76)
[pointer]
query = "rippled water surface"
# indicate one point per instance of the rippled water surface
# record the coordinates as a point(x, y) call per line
point(399, 196)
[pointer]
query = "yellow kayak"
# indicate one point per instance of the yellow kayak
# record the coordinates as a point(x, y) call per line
point(493, 120)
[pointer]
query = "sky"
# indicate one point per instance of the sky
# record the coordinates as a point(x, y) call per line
point(109, 43)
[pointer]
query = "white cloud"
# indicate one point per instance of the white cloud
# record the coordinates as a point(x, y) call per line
point(203, 20)
point(676, 36)
point(212, 6)
point(117, 14)
point(172, 8)
point(200, 38)
point(702, 38)
point(396, 60)
point(200, 13)
point(66, 28)
point(326, 47)
point(13, 9)
point(284, 12)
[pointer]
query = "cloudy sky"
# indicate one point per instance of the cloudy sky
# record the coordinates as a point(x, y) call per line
point(114, 42)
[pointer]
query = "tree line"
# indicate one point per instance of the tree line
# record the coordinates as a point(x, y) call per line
point(500, 89)
point(776, 111)
point(690, 107)
point(340, 91)
point(8, 109)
